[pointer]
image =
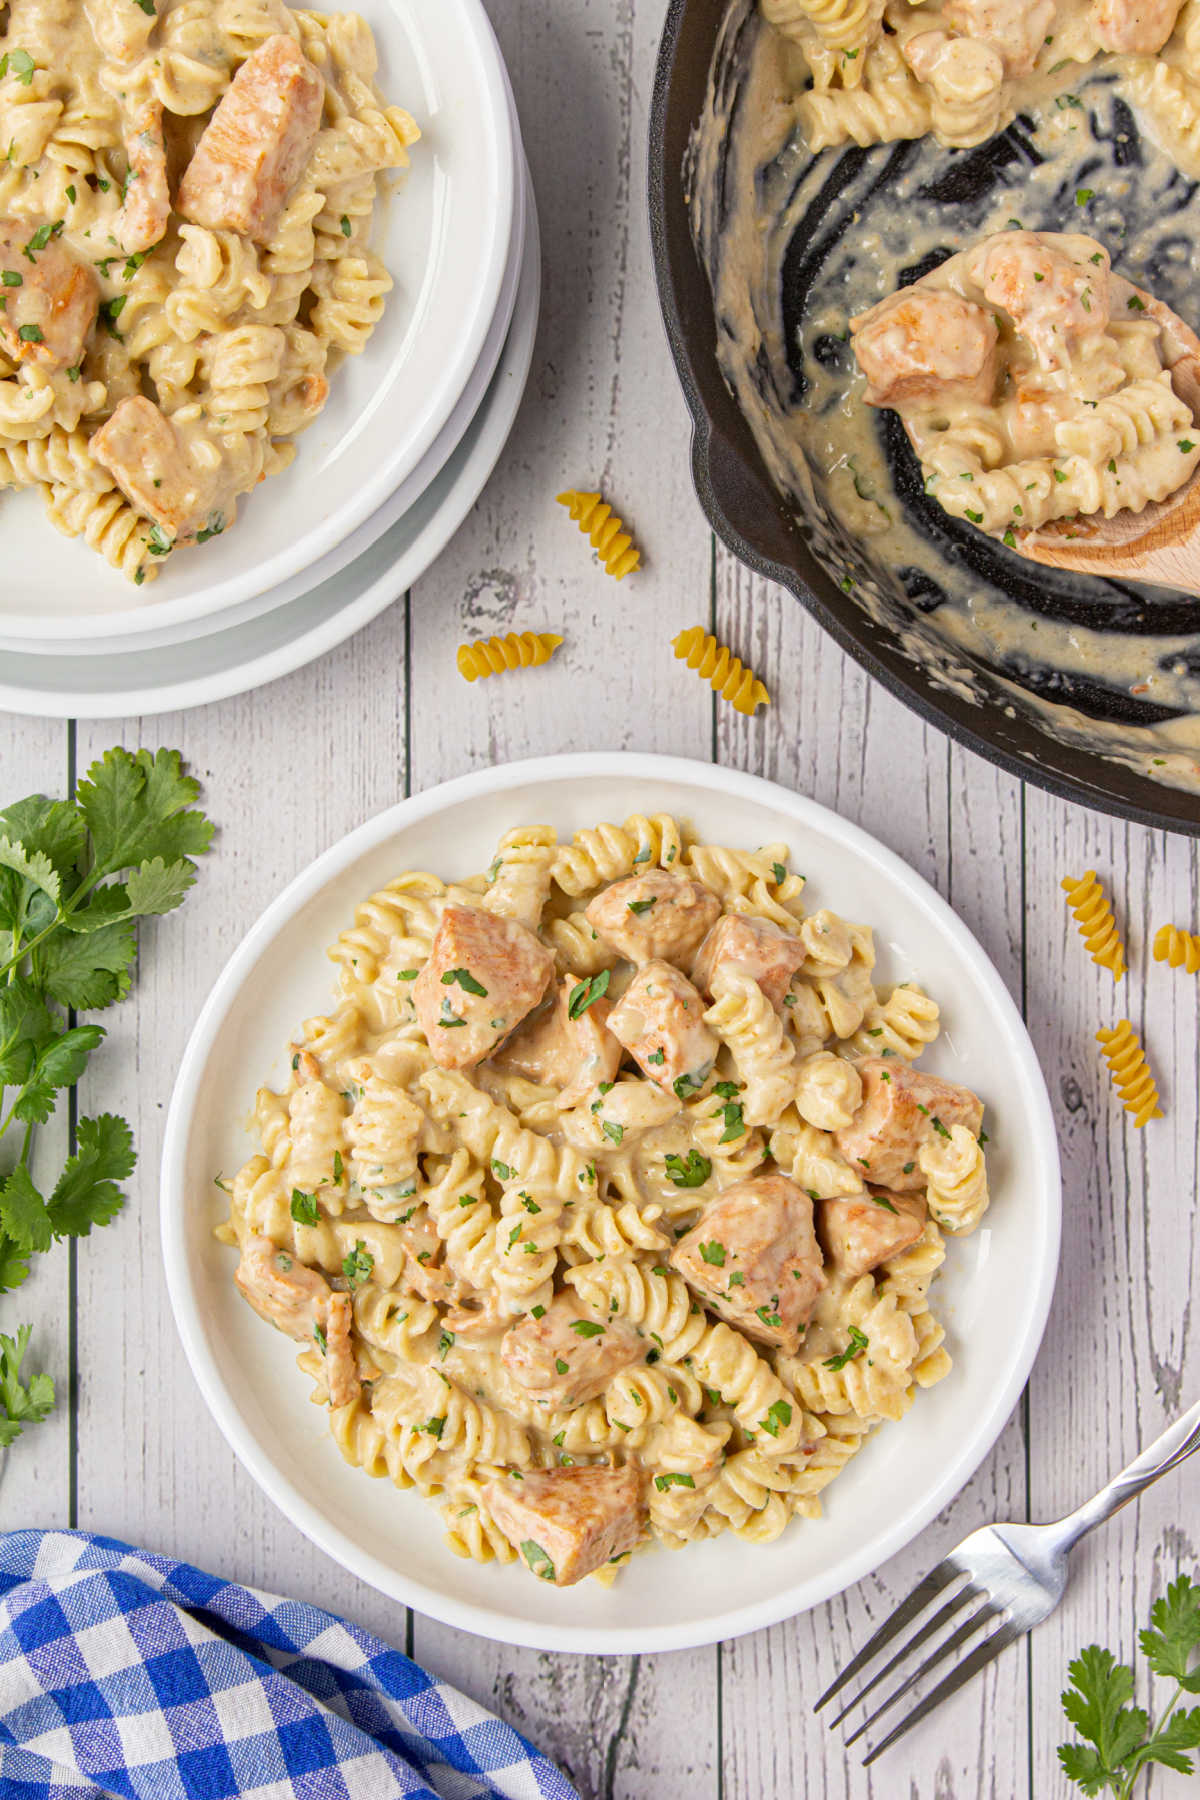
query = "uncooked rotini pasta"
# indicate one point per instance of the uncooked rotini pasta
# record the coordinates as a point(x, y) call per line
point(717, 665)
point(619, 555)
point(1131, 1076)
point(569, 1195)
point(1094, 917)
point(1178, 948)
point(164, 337)
point(519, 650)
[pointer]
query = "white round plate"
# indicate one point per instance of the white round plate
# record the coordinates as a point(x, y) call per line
point(994, 1297)
point(445, 237)
point(394, 507)
point(247, 656)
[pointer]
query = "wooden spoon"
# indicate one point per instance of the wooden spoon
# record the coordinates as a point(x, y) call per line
point(1160, 544)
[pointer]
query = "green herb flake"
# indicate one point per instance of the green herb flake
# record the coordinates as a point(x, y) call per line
point(642, 906)
point(858, 1342)
point(586, 1328)
point(586, 993)
point(690, 1174)
point(776, 1417)
point(304, 1208)
point(465, 980)
point(671, 1479)
point(713, 1254)
point(358, 1264)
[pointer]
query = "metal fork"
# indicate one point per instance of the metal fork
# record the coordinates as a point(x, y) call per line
point(1014, 1574)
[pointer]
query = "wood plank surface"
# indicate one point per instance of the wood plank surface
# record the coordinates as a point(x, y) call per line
point(289, 770)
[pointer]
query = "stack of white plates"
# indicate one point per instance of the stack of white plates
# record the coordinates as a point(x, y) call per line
point(412, 430)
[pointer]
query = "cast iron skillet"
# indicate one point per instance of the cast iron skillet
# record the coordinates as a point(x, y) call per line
point(748, 513)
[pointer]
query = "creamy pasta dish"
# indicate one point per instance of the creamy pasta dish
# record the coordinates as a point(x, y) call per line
point(607, 1201)
point(1033, 383)
point(888, 69)
point(186, 197)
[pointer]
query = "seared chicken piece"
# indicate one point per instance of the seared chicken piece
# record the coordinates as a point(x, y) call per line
point(148, 459)
point(567, 1356)
point(1054, 288)
point(754, 947)
point(287, 1294)
point(654, 915)
point(341, 1364)
point(660, 1021)
point(256, 143)
point(858, 1234)
point(48, 301)
point(1134, 27)
point(484, 975)
point(920, 343)
point(146, 209)
point(902, 1108)
point(559, 1051)
point(755, 1258)
point(1016, 29)
point(567, 1523)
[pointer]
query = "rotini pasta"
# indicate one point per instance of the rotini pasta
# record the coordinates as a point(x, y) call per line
point(717, 665)
point(526, 1260)
point(1131, 1076)
point(1094, 917)
point(618, 554)
point(1179, 949)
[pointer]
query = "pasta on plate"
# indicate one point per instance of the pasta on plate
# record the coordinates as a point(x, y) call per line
point(186, 202)
point(607, 1200)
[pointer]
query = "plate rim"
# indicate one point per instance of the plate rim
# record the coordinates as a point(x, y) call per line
point(503, 165)
point(478, 1618)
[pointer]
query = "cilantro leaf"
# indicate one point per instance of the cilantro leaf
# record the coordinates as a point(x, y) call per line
point(138, 808)
point(33, 866)
point(86, 1192)
point(23, 1213)
point(21, 1403)
point(50, 828)
point(14, 1265)
point(1174, 1636)
point(156, 886)
point(25, 1026)
point(90, 970)
point(58, 1066)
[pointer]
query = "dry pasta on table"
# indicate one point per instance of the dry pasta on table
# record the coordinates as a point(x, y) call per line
point(603, 1210)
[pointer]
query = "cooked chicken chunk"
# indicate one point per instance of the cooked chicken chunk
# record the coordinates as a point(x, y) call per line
point(858, 1234)
point(901, 1109)
point(654, 915)
point(1016, 29)
point(341, 1364)
point(920, 343)
point(1053, 286)
point(572, 1054)
point(256, 143)
point(567, 1356)
point(660, 1021)
point(484, 975)
point(146, 209)
point(567, 1523)
point(1134, 27)
point(48, 301)
point(755, 1258)
point(287, 1294)
point(148, 460)
point(753, 947)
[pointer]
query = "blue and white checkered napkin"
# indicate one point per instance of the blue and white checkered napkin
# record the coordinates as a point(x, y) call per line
point(127, 1673)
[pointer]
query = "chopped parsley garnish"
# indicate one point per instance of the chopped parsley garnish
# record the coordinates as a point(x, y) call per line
point(769, 1314)
point(434, 1427)
point(501, 1171)
point(147, 6)
point(321, 1340)
point(529, 1203)
point(110, 312)
point(346, 226)
point(538, 1312)
point(1136, 305)
point(857, 1344)
point(727, 1090)
point(20, 64)
point(775, 1417)
point(1083, 195)
point(642, 906)
point(445, 1343)
point(735, 1124)
point(657, 1058)
point(779, 872)
point(940, 1128)
point(586, 1328)
point(160, 543)
point(358, 1265)
point(31, 334)
point(714, 1254)
point(465, 980)
point(305, 1210)
point(673, 1479)
point(737, 1279)
point(976, 518)
point(612, 1130)
point(882, 1200)
point(214, 528)
point(587, 993)
point(1186, 446)
point(539, 1563)
point(408, 974)
point(562, 1367)
point(690, 1174)
point(687, 1084)
point(11, 278)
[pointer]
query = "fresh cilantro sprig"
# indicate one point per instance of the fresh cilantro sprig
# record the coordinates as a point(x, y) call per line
point(75, 876)
point(1120, 1741)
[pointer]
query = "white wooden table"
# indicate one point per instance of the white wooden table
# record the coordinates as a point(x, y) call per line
point(288, 770)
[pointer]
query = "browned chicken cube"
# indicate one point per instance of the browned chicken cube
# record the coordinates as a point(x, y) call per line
point(341, 1364)
point(284, 1292)
point(901, 1109)
point(755, 1258)
point(1016, 29)
point(1052, 285)
point(655, 914)
point(146, 209)
point(920, 344)
point(256, 143)
point(48, 301)
point(858, 1234)
point(484, 975)
point(567, 1523)
point(566, 1356)
point(1134, 27)
point(660, 1021)
point(148, 460)
point(571, 1054)
point(754, 947)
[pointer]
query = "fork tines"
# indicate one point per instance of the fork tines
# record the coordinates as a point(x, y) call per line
point(982, 1612)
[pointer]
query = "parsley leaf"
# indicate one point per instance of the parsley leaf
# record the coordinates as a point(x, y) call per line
point(690, 1174)
point(21, 1403)
point(855, 1347)
point(586, 993)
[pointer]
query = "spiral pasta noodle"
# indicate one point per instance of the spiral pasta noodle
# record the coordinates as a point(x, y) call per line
point(619, 555)
point(519, 650)
point(1131, 1076)
point(1094, 917)
point(1179, 949)
point(717, 665)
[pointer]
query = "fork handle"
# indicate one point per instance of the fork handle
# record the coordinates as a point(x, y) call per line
point(1177, 1443)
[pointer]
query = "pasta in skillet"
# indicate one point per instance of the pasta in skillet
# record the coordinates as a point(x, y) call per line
point(186, 204)
point(607, 1200)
